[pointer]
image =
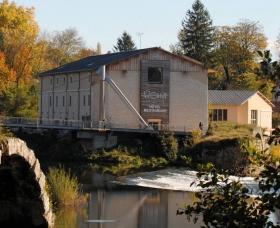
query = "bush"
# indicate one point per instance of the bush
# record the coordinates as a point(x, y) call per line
point(275, 152)
point(63, 187)
point(168, 145)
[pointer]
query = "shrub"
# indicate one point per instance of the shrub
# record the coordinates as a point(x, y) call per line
point(63, 187)
point(205, 167)
point(275, 152)
point(168, 145)
point(186, 160)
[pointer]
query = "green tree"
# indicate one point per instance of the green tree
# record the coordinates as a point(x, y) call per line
point(236, 52)
point(20, 100)
point(124, 43)
point(197, 35)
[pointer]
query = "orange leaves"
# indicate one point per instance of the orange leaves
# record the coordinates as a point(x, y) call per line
point(7, 76)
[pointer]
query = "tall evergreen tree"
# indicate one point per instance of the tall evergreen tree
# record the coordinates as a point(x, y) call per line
point(124, 43)
point(196, 36)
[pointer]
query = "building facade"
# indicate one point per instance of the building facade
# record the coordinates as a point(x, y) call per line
point(166, 90)
point(241, 107)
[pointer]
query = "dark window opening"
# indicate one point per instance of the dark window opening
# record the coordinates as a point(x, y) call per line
point(218, 115)
point(155, 74)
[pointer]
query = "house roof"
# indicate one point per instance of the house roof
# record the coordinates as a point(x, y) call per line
point(233, 97)
point(96, 61)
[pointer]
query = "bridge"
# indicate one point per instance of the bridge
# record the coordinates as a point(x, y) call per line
point(79, 125)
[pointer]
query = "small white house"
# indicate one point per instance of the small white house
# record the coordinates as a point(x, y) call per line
point(241, 107)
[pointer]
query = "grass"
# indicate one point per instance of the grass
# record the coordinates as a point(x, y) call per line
point(121, 161)
point(227, 130)
point(63, 188)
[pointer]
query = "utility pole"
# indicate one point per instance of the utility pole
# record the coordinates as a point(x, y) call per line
point(140, 34)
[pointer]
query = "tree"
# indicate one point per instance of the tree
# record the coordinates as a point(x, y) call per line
point(196, 36)
point(64, 47)
point(236, 51)
point(124, 43)
point(7, 76)
point(19, 32)
point(20, 100)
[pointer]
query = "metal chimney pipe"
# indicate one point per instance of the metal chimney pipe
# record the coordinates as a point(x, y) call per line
point(102, 94)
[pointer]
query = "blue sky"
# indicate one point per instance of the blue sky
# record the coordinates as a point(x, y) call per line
point(159, 20)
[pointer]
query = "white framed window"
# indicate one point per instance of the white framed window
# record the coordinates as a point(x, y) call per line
point(254, 117)
point(218, 115)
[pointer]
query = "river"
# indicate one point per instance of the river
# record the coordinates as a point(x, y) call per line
point(111, 205)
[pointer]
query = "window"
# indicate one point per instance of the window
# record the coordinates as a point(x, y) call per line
point(254, 116)
point(84, 100)
point(218, 115)
point(57, 80)
point(155, 123)
point(70, 100)
point(51, 81)
point(50, 101)
point(56, 101)
point(88, 100)
point(70, 79)
point(63, 80)
point(155, 74)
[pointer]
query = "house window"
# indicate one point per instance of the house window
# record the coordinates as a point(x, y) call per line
point(155, 75)
point(84, 100)
point(70, 100)
point(63, 101)
point(56, 101)
point(218, 115)
point(50, 101)
point(70, 79)
point(254, 116)
point(88, 100)
point(63, 80)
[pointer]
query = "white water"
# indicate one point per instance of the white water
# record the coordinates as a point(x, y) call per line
point(177, 179)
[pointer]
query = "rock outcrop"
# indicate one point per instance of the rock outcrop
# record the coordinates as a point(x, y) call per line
point(22, 182)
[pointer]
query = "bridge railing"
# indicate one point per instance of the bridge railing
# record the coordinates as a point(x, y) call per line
point(20, 121)
point(79, 124)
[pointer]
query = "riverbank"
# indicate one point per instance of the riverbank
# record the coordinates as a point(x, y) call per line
point(226, 146)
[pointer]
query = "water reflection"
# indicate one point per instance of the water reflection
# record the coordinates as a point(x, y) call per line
point(70, 217)
point(139, 208)
point(129, 207)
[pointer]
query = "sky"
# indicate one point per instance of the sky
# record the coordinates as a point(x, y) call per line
point(157, 20)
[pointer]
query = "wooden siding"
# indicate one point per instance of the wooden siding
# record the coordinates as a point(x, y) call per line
point(177, 64)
